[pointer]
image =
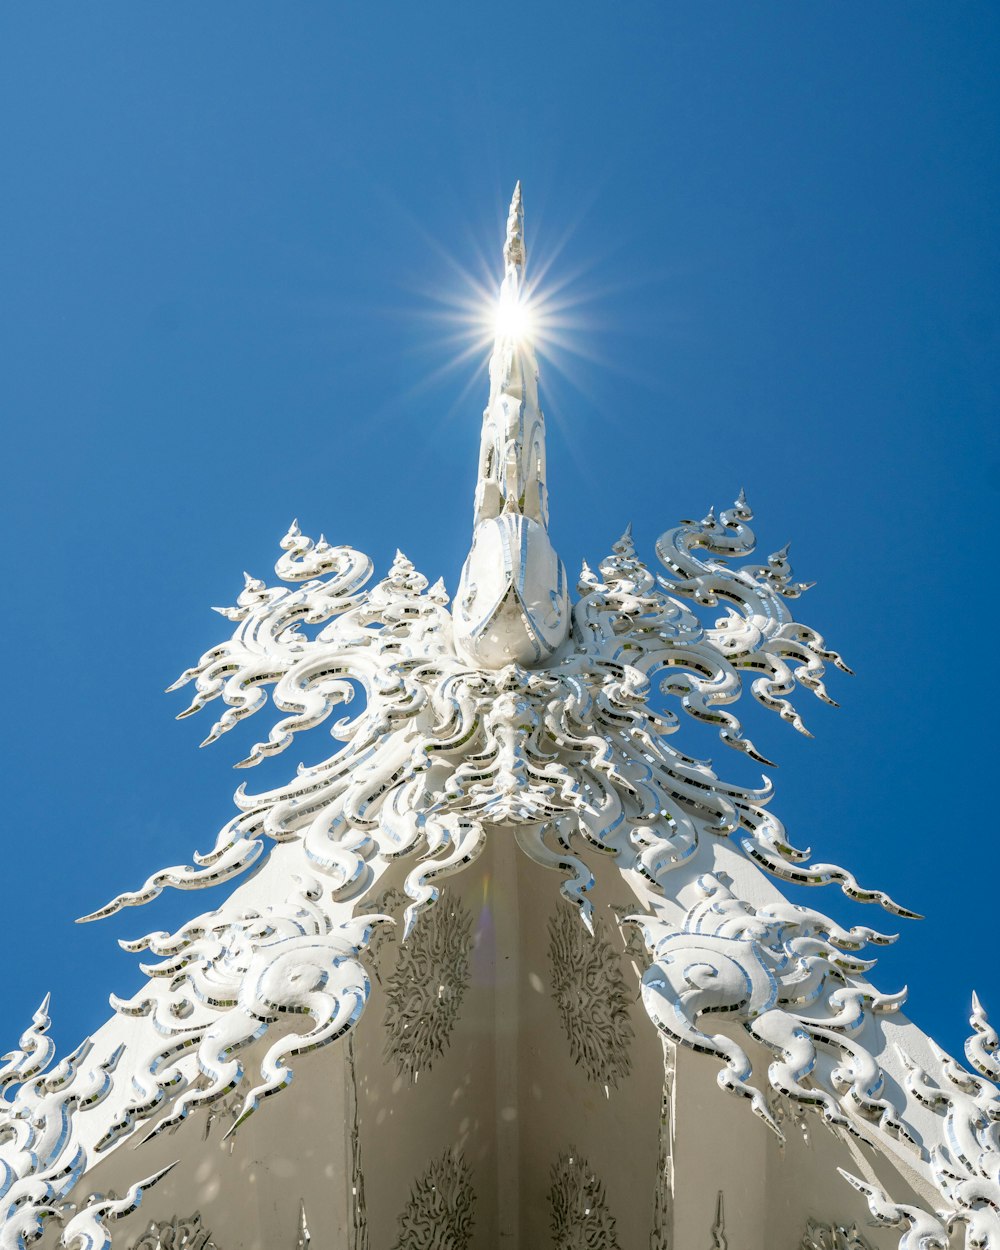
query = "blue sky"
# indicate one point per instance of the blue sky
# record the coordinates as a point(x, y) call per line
point(228, 232)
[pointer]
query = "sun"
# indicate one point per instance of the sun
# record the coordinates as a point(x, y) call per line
point(466, 318)
point(513, 318)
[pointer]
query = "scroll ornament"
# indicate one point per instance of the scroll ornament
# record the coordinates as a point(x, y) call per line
point(575, 757)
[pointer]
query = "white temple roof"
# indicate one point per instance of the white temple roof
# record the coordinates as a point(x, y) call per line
point(514, 946)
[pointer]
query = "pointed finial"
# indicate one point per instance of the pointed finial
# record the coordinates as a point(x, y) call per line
point(625, 546)
point(513, 248)
point(982, 1049)
point(719, 1239)
point(512, 604)
point(305, 1237)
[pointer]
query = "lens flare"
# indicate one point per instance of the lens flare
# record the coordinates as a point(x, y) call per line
point(462, 317)
point(513, 319)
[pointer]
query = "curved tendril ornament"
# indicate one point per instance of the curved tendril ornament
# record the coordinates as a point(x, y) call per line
point(509, 713)
point(573, 756)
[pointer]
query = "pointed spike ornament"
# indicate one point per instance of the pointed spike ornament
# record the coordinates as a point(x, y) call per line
point(982, 1049)
point(305, 1237)
point(35, 1053)
point(719, 1239)
point(512, 451)
point(512, 604)
point(513, 247)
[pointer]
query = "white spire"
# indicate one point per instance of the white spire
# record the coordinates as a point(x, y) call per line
point(512, 453)
point(514, 254)
point(512, 604)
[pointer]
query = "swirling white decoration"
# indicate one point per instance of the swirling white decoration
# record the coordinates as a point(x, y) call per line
point(966, 1164)
point(922, 1230)
point(512, 714)
point(573, 756)
point(781, 971)
point(832, 1237)
point(177, 1234)
point(966, 1160)
point(442, 750)
point(88, 1228)
point(41, 1157)
point(229, 981)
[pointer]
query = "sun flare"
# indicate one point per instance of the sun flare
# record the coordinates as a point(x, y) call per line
point(467, 317)
point(513, 319)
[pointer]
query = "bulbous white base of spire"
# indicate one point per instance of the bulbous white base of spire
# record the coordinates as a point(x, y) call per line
point(512, 606)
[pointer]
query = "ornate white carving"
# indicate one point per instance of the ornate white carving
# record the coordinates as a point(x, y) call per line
point(832, 1237)
point(966, 1163)
point(231, 976)
point(41, 1157)
point(304, 1239)
point(982, 1047)
point(424, 991)
point(178, 1234)
point(87, 1229)
point(440, 1212)
point(921, 1229)
point(35, 1052)
point(512, 605)
point(591, 995)
point(580, 1218)
point(507, 713)
point(572, 757)
point(780, 971)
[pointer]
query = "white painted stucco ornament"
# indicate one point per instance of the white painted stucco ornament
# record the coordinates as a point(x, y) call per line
point(512, 605)
point(513, 715)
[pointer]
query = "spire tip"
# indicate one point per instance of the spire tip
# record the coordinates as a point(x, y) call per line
point(513, 248)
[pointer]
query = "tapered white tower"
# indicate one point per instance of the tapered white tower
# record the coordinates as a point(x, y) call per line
point(512, 971)
point(512, 604)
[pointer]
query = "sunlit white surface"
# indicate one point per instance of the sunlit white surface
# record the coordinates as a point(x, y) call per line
point(514, 319)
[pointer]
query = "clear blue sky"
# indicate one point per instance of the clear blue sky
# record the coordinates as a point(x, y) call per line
point(225, 229)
